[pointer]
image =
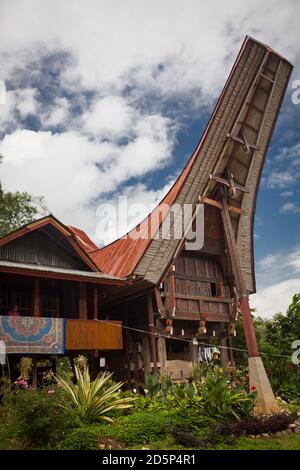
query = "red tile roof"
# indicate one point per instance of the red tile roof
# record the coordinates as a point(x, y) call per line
point(83, 239)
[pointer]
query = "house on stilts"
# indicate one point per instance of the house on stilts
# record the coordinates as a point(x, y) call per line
point(152, 300)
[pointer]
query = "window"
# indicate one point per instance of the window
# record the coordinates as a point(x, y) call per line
point(213, 289)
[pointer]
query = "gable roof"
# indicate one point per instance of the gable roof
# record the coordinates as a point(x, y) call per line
point(256, 68)
point(68, 234)
point(83, 239)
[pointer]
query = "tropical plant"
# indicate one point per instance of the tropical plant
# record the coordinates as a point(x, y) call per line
point(221, 400)
point(81, 362)
point(152, 384)
point(94, 400)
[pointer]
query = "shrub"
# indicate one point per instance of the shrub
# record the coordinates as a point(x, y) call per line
point(255, 425)
point(146, 426)
point(289, 392)
point(38, 416)
point(85, 437)
point(186, 436)
point(142, 427)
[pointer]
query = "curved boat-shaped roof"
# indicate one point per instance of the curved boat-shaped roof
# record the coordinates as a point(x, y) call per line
point(236, 140)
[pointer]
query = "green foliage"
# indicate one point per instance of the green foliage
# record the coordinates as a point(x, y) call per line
point(221, 401)
point(145, 426)
point(289, 392)
point(37, 416)
point(139, 427)
point(152, 384)
point(18, 209)
point(84, 437)
point(94, 400)
point(211, 396)
point(275, 337)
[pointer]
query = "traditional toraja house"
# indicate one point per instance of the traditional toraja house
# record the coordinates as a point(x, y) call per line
point(159, 299)
point(49, 291)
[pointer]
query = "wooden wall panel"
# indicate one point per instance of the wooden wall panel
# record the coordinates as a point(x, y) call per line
point(91, 334)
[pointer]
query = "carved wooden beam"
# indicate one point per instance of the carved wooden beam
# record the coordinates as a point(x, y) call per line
point(160, 306)
point(243, 141)
point(229, 183)
point(218, 204)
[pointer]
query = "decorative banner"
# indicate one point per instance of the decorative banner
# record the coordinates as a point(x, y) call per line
point(32, 335)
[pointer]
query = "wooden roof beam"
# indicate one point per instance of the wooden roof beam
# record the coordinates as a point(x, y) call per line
point(214, 203)
point(267, 78)
point(243, 141)
point(229, 183)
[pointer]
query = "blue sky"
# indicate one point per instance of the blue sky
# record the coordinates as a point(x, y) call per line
point(112, 99)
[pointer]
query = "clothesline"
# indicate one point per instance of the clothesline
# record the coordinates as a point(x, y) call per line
point(160, 335)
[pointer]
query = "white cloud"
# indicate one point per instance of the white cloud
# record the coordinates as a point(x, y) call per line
point(110, 117)
point(110, 40)
point(126, 210)
point(289, 208)
point(22, 101)
point(275, 298)
point(26, 103)
point(278, 279)
point(281, 179)
point(269, 261)
point(57, 115)
point(289, 154)
point(73, 171)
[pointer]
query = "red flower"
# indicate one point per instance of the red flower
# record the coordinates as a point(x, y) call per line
point(253, 388)
point(290, 366)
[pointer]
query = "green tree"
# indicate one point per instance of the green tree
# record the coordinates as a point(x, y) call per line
point(275, 337)
point(18, 208)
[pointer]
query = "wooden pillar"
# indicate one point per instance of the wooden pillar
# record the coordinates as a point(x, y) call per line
point(152, 330)
point(258, 378)
point(127, 343)
point(161, 348)
point(82, 301)
point(173, 291)
point(36, 298)
point(193, 353)
point(146, 354)
point(248, 327)
point(240, 286)
point(224, 352)
point(95, 303)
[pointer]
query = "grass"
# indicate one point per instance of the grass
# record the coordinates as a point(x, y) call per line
point(273, 443)
point(291, 442)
